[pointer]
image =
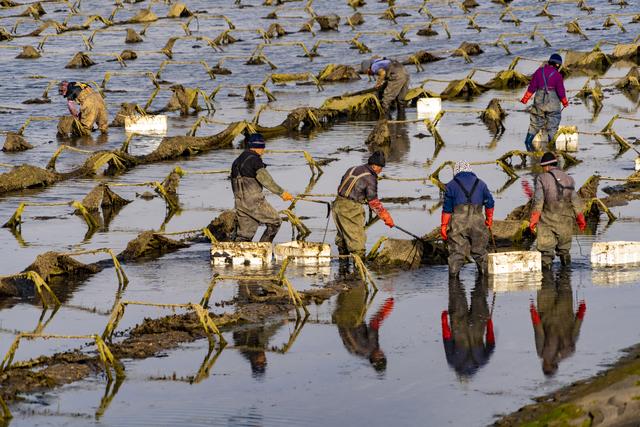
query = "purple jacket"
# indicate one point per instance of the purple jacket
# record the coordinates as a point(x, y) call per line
point(554, 81)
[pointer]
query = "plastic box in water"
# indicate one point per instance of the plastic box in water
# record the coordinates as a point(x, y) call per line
point(428, 108)
point(567, 141)
point(514, 262)
point(146, 124)
point(638, 163)
point(241, 253)
point(305, 253)
point(606, 254)
point(516, 282)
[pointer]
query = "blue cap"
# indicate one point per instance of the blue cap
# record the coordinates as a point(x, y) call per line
point(555, 59)
point(255, 140)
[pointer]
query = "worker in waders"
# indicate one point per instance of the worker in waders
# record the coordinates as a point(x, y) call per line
point(550, 99)
point(469, 341)
point(556, 327)
point(463, 226)
point(248, 176)
point(86, 105)
point(392, 80)
point(358, 186)
point(555, 207)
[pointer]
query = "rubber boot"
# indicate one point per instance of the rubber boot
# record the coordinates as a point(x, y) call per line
point(528, 142)
point(565, 260)
point(270, 233)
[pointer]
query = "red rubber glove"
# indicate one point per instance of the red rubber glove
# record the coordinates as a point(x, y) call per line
point(535, 317)
point(444, 222)
point(490, 338)
point(488, 213)
point(382, 314)
point(533, 221)
point(527, 96)
point(446, 331)
point(582, 223)
point(582, 309)
point(565, 102)
point(384, 215)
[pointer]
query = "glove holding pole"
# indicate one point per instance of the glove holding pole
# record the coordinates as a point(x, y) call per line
point(380, 210)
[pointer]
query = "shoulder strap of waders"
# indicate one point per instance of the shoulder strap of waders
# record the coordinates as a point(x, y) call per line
point(241, 165)
point(352, 180)
point(468, 194)
point(544, 78)
point(559, 187)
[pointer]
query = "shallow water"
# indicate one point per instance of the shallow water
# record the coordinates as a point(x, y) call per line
point(318, 381)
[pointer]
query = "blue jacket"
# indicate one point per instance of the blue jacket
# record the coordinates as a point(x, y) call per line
point(379, 64)
point(454, 195)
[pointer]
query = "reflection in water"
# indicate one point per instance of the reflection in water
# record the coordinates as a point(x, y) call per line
point(399, 143)
point(556, 328)
point(358, 337)
point(469, 341)
point(253, 343)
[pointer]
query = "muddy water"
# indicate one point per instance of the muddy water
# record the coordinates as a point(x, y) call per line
point(320, 380)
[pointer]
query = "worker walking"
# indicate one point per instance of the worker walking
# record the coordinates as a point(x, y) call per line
point(86, 105)
point(555, 206)
point(392, 79)
point(463, 226)
point(547, 84)
point(248, 176)
point(358, 186)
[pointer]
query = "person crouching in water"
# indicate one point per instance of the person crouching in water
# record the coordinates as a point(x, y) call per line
point(91, 105)
point(248, 176)
point(550, 99)
point(392, 79)
point(463, 226)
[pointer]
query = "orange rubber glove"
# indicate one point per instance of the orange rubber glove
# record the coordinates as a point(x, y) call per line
point(286, 196)
point(444, 320)
point(582, 223)
point(582, 309)
point(527, 96)
point(444, 222)
point(565, 102)
point(384, 214)
point(490, 337)
point(533, 221)
point(535, 317)
point(488, 213)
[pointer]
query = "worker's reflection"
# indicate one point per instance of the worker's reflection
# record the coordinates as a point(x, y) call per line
point(253, 341)
point(358, 337)
point(469, 340)
point(399, 143)
point(556, 327)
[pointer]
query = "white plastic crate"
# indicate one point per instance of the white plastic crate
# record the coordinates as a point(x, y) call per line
point(241, 253)
point(638, 163)
point(606, 254)
point(516, 282)
point(514, 262)
point(567, 142)
point(305, 253)
point(540, 141)
point(146, 124)
point(428, 108)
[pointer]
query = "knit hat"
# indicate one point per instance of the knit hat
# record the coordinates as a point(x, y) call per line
point(62, 87)
point(555, 59)
point(461, 166)
point(255, 140)
point(378, 159)
point(548, 159)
